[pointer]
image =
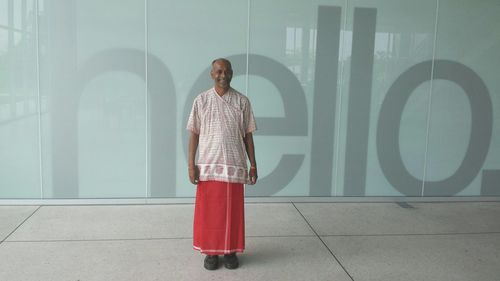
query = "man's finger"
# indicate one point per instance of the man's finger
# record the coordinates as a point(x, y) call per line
point(253, 179)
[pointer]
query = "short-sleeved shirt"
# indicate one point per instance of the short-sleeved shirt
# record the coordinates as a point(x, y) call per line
point(222, 123)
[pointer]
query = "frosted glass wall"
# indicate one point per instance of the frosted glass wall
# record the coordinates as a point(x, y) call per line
point(352, 97)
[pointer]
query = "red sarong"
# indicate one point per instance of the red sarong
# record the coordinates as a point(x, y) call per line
point(219, 218)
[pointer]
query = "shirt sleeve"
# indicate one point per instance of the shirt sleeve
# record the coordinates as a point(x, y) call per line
point(193, 123)
point(250, 125)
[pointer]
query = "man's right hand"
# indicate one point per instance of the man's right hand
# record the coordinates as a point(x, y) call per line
point(194, 174)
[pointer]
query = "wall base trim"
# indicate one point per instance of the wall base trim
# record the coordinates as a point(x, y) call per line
point(190, 200)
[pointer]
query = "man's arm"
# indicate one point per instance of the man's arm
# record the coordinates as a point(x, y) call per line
point(193, 169)
point(250, 148)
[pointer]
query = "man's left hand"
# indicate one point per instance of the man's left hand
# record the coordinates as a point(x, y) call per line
point(253, 175)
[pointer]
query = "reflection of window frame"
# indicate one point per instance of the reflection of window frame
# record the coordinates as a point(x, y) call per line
point(293, 41)
point(300, 51)
point(16, 99)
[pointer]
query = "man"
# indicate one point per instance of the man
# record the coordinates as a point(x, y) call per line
point(221, 124)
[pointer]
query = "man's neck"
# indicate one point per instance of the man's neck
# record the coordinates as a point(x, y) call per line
point(221, 91)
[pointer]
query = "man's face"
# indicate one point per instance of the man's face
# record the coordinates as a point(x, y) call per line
point(221, 74)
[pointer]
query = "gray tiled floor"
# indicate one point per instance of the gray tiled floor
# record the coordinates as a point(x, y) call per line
point(285, 241)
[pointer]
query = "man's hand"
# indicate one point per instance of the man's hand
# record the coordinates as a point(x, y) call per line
point(194, 174)
point(249, 146)
point(252, 174)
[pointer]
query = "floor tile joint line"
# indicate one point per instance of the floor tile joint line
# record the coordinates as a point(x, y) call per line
point(7, 237)
point(142, 239)
point(412, 234)
point(324, 244)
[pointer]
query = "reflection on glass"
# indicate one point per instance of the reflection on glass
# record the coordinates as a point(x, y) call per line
point(19, 154)
point(16, 60)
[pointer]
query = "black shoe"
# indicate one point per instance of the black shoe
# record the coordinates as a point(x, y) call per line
point(211, 262)
point(231, 261)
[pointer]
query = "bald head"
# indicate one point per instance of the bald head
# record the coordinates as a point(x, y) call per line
point(221, 60)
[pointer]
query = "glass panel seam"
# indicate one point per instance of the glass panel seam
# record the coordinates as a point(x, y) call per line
point(248, 46)
point(339, 91)
point(426, 157)
point(39, 99)
point(147, 189)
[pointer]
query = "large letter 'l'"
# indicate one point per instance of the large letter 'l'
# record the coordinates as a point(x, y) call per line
point(360, 86)
point(325, 97)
